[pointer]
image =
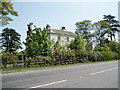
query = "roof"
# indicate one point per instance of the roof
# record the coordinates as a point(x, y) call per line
point(56, 31)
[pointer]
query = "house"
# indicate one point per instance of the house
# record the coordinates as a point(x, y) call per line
point(63, 36)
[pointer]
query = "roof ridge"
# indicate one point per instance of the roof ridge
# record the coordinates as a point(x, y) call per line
point(62, 32)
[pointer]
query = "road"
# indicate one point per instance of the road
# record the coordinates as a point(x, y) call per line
point(95, 75)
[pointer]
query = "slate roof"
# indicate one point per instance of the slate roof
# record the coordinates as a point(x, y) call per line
point(56, 31)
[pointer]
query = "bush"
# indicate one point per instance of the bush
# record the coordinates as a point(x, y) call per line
point(100, 48)
point(114, 55)
point(92, 56)
point(106, 55)
point(63, 56)
point(81, 55)
point(115, 47)
point(38, 61)
point(9, 59)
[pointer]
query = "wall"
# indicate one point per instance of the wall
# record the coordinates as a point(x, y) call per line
point(63, 38)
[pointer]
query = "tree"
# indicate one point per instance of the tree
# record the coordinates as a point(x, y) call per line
point(84, 29)
point(78, 43)
point(114, 46)
point(10, 40)
point(38, 43)
point(114, 25)
point(6, 8)
point(101, 28)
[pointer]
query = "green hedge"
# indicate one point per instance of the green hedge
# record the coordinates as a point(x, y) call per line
point(60, 57)
point(9, 60)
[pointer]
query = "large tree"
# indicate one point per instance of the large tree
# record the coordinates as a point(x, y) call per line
point(38, 43)
point(10, 40)
point(6, 9)
point(114, 26)
point(84, 29)
point(101, 28)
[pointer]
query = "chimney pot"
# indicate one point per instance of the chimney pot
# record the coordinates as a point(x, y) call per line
point(63, 28)
point(48, 27)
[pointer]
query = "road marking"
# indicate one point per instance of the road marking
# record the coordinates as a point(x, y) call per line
point(48, 84)
point(103, 71)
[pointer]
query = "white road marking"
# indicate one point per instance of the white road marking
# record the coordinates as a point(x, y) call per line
point(48, 84)
point(103, 71)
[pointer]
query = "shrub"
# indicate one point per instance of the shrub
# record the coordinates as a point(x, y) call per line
point(100, 48)
point(92, 56)
point(115, 47)
point(38, 61)
point(106, 55)
point(9, 59)
point(81, 55)
point(114, 55)
point(99, 56)
point(95, 56)
point(63, 56)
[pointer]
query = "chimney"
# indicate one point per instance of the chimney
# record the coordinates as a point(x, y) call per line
point(48, 27)
point(29, 32)
point(63, 28)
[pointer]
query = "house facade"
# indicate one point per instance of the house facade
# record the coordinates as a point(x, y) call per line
point(63, 36)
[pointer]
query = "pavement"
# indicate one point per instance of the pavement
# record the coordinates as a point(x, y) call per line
point(94, 75)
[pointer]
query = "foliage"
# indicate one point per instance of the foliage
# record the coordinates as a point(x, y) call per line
point(89, 46)
point(63, 56)
point(38, 43)
point(102, 48)
point(101, 56)
point(9, 58)
point(100, 30)
point(94, 56)
point(114, 26)
point(81, 54)
point(57, 45)
point(106, 55)
point(78, 43)
point(114, 47)
point(6, 9)
point(84, 29)
point(10, 40)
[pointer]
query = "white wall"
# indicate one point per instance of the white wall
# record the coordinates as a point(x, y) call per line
point(63, 38)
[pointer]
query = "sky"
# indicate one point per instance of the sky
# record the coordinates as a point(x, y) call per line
point(58, 14)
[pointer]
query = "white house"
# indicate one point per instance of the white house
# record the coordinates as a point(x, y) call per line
point(62, 35)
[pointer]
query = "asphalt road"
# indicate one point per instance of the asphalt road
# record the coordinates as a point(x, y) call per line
point(95, 75)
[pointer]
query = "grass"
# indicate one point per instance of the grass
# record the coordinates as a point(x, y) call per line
point(9, 70)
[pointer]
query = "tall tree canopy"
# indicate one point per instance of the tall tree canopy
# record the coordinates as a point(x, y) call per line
point(114, 25)
point(10, 40)
point(6, 8)
point(38, 43)
point(100, 30)
point(84, 29)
